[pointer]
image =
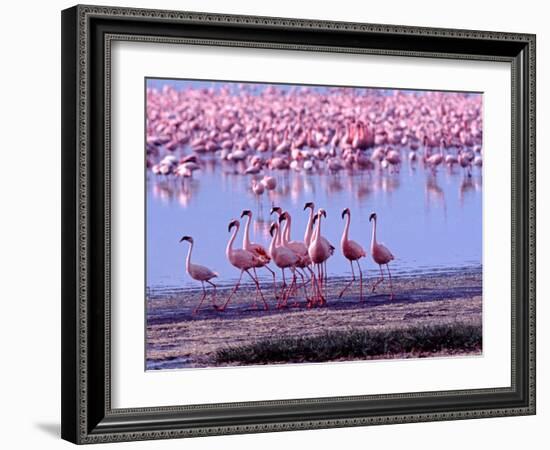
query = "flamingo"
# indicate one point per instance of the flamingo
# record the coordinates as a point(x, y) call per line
point(309, 226)
point(284, 258)
point(353, 252)
point(393, 157)
point(199, 273)
point(381, 255)
point(256, 249)
point(319, 253)
point(309, 232)
point(297, 247)
point(269, 182)
point(436, 159)
point(242, 260)
point(258, 190)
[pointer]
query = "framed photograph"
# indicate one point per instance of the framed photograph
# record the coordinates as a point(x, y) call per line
point(281, 224)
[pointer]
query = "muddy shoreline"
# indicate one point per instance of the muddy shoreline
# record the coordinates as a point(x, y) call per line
point(177, 338)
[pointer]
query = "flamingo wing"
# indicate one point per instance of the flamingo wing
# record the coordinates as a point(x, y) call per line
point(297, 247)
point(243, 259)
point(201, 273)
point(354, 250)
point(328, 245)
point(260, 252)
point(385, 252)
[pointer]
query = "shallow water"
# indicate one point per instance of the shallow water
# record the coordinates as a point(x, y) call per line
point(429, 222)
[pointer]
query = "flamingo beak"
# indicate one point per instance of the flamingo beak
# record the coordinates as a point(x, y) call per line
point(308, 205)
point(372, 216)
point(274, 209)
point(344, 212)
point(282, 217)
point(186, 238)
point(324, 213)
point(246, 212)
point(271, 228)
point(232, 224)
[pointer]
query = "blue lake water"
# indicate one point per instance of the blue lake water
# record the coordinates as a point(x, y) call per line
point(429, 222)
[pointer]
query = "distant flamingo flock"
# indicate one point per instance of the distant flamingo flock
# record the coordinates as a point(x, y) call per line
point(305, 260)
point(260, 132)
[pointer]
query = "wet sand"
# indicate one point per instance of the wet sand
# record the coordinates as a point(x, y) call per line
point(177, 338)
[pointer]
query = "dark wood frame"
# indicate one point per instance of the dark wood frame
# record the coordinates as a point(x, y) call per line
point(87, 32)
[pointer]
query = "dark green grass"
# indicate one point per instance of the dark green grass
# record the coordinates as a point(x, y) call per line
point(356, 344)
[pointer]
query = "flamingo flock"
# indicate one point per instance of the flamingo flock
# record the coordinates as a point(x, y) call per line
point(259, 130)
point(305, 260)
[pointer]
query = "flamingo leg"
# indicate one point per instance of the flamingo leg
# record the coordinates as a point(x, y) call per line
point(303, 285)
point(255, 305)
point(274, 282)
point(375, 285)
point(391, 285)
point(302, 274)
point(286, 292)
point(312, 281)
point(314, 286)
point(360, 282)
point(215, 292)
point(222, 308)
point(202, 298)
point(321, 298)
point(325, 279)
point(350, 282)
point(258, 289)
point(292, 288)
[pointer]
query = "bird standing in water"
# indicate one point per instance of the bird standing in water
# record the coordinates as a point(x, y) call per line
point(199, 273)
point(381, 255)
point(353, 252)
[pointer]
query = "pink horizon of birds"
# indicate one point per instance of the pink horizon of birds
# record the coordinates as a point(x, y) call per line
point(308, 131)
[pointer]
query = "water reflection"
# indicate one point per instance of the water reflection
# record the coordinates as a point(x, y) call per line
point(430, 220)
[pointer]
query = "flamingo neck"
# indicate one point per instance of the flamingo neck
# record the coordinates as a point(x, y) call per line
point(317, 235)
point(273, 243)
point(188, 260)
point(278, 237)
point(373, 240)
point(246, 237)
point(229, 249)
point(346, 229)
point(309, 229)
point(286, 235)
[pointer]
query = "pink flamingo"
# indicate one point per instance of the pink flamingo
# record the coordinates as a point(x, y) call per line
point(353, 252)
point(279, 211)
point(256, 249)
point(258, 190)
point(309, 227)
point(393, 157)
point(296, 246)
point(319, 253)
point(199, 273)
point(381, 255)
point(269, 182)
point(436, 159)
point(284, 258)
point(308, 236)
point(242, 260)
